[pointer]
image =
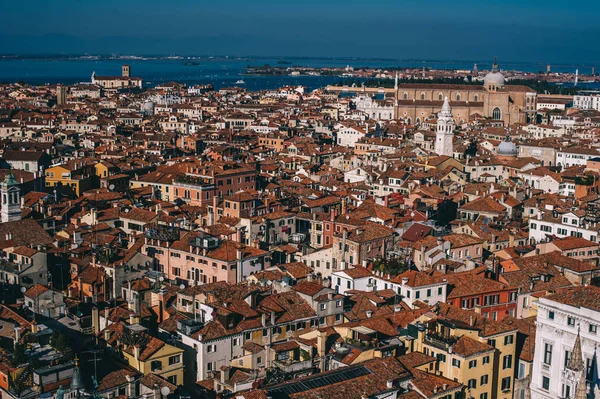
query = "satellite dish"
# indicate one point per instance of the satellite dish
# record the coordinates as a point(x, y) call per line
point(23, 289)
point(182, 286)
point(165, 391)
point(161, 279)
point(111, 187)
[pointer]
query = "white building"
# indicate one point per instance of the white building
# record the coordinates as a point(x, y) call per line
point(587, 101)
point(356, 278)
point(561, 225)
point(576, 156)
point(565, 345)
point(11, 199)
point(411, 285)
point(347, 136)
point(375, 109)
point(444, 132)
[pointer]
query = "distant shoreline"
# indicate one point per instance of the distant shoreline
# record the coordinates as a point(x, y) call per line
point(283, 59)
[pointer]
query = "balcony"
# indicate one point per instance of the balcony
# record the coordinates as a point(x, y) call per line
point(293, 366)
point(439, 341)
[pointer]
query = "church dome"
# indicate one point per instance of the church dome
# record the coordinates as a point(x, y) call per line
point(494, 78)
point(507, 148)
point(148, 108)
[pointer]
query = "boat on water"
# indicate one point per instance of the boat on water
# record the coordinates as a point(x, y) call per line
point(240, 82)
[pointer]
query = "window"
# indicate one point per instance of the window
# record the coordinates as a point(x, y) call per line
point(506, 383)
point(551, 315)
point(472, 364)
point(484, 379)
point(429, 293)
point(571, 321)
point(521, 372)
point(593, 328)
point(509, 339)
point(455, 363)
point(472, 383)
point(566, 389)
point(548, 354)
point(567, 358)
point(210, 348)
point(174, 359)
point(496, 114)
point(440, 291)
point(483, 395)
point(417, 294)
point(546, 383)
point(486, 359)
point(323, 306)
point(156, 365)
point(507, 362)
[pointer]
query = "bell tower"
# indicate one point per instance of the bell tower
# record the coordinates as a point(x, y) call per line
point(444, 132)
point(11, 199)
point(125, 71)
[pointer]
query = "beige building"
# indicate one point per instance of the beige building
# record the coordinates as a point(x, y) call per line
point(494, 99)
point(477, 352)
point(118, 82)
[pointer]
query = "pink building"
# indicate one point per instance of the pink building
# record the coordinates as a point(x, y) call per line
point(199, 258)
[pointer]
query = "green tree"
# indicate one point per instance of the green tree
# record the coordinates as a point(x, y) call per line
point(61, 344)
point(58, 341)
point(19, 356)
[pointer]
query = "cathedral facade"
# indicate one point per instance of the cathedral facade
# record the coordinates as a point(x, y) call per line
point(494, 99)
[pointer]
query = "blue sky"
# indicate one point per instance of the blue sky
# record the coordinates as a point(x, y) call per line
point(527, 30)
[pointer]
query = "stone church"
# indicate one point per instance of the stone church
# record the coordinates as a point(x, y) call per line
point(494, 99)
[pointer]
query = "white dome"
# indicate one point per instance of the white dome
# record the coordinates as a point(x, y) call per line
point(494, 78)
point(507, 148)
point(148, 107)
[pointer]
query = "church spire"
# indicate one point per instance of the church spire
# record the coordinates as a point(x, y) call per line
point(446, 110)
point(444, 131)
point(581, 392)
point(576, 361)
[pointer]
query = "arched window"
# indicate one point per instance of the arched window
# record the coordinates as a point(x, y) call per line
point(496, 114)
point(422, 96)
point(440, 97)
point(458, 97)
point(408, 121)
point(418, 121)
point(405, 96)
point(476, 97)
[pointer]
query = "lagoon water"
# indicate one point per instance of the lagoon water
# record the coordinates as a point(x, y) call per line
point(220, 72)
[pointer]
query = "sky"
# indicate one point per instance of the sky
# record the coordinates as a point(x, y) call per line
point(513, 30)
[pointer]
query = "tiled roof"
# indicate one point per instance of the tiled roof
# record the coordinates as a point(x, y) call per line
point(467, 347)
point(578, 296)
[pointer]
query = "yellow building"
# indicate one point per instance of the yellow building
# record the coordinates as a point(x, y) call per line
point(70, 179)
point(479, 353)
point(157, 357)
